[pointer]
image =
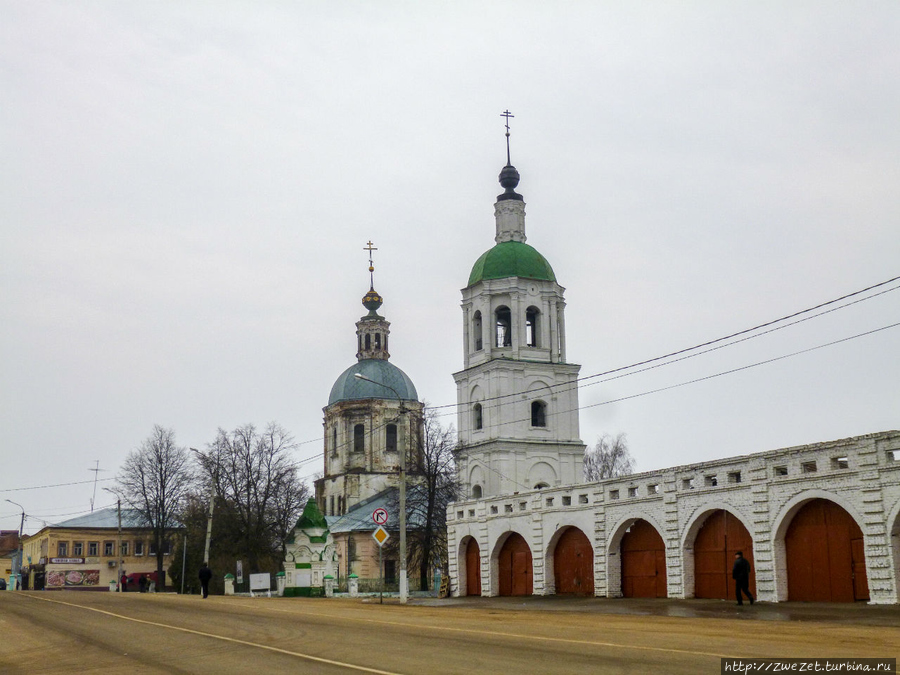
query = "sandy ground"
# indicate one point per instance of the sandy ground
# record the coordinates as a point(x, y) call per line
point(72, 632)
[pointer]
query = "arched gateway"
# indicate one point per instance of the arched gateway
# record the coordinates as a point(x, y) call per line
point(514, 564)
point(825, 554)
point(643, 562)
point(573, 563)
point(473, 568)
point(721, 536)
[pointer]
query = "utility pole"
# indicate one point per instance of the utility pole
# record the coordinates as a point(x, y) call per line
point(212, 504)
point(183, 563)
point(404, 583)
point(17, 568)
point(120, 565)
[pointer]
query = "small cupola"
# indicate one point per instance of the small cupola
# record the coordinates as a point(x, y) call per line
point(372, 330)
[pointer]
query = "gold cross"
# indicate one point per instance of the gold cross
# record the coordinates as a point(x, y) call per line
point(369, 247)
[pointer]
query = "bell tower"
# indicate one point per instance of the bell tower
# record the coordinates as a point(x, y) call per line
point(517, 395)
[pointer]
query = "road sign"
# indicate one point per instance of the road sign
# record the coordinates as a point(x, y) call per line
point(380, 535)
point(380, 516)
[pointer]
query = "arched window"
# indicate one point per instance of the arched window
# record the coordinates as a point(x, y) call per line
point(390, 438)
point(538, 414)
point(532, 330)
point(504, 327)
point(476, 492)
point(541, 486)
point(368, 341)
point(340, 506)
point(377, 340)
point(477, 416)
point(332, 505)
point(476, 332)
point(359, 438)
point(334, 448)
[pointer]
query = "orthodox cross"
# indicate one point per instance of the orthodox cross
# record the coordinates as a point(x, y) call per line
point(369, 247)
point(507, 115)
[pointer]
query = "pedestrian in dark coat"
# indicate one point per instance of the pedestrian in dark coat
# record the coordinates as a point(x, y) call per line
point(741, 575)
point(123, 585)
point(205, 575)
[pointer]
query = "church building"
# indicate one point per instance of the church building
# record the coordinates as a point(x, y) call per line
point(373, 415)
point(818, 522)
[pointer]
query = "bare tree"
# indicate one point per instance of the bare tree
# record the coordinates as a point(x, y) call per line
point(608, 458)
point(154, 481)
point(257, 485)
point(433, 486)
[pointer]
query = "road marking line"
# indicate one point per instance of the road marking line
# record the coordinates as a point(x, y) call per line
point(510, 635)
point(309, 657)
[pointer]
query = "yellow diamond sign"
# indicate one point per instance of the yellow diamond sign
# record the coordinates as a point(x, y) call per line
point(380, 535)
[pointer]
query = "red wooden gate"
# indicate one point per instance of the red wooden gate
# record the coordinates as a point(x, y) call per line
point(473, 568)
point(825, 556)
point(721, 536)
point(643, 562)
point(573, 563)
point(515, 566)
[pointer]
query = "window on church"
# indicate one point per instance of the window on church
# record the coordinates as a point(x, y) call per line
point(334, 448)
point(476, 331)
point(541, 486)
point(531, 326)
point(359, 438)
point(477, 416)
point(538, 414)
point(390, 438)
point(377, 340)
point(504, 327)
point(368, 342)
point(476, 492)
point(331, 507)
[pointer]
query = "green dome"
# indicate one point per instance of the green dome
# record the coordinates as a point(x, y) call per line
point(349, 388)
point(511, 259)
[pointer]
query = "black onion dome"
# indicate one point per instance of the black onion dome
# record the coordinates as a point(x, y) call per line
point(509, 180)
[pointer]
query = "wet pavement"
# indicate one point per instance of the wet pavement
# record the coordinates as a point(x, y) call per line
point(858, 613)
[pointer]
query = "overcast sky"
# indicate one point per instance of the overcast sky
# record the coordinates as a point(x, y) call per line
point(187, 188)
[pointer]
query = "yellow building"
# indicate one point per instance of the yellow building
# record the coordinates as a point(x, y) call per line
point(80, 554)
point(9, 550)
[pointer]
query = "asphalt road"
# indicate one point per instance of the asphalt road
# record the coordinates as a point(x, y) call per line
point(78, 632)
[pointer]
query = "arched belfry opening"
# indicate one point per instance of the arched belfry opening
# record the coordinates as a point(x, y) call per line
point(477, 335)
point(532, 327)
point(503, 327)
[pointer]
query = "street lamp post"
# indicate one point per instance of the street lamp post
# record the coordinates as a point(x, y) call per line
point(17, 568)
point(404, 584)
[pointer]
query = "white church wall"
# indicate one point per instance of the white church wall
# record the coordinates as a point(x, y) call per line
point(859, 474)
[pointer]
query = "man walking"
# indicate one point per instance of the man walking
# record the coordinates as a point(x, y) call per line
point(205, 576)
point(741, 575)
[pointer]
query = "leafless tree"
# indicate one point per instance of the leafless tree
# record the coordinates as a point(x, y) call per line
point(257, 486)
point(154, 481)
point(433, 485)
point(608, 458)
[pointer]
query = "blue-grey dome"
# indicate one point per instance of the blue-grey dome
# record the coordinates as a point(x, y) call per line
point(349, 388)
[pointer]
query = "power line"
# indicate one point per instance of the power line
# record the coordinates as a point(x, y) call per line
point(41, 487)
point(713, 376)
point(557, 387)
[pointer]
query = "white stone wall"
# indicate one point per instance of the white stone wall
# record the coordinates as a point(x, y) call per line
point(749, 487)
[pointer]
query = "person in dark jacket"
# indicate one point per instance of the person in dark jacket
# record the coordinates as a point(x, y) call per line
point(741, 575)
point(123, 583)
point(205, 576)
